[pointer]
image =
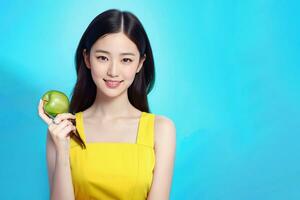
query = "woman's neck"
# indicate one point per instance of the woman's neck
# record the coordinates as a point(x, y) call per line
point(111, 108)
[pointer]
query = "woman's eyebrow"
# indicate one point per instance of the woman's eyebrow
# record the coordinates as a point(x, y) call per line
point(127, 53)
point(107, 52)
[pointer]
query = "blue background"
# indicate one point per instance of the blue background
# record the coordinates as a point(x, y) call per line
point(227, 75)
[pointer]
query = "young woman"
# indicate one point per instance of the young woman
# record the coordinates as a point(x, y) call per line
point(124, 151)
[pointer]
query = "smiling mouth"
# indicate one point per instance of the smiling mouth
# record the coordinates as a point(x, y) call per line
point(112, 81)
point(112, 84)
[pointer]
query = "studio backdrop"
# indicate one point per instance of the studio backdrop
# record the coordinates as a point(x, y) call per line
point(227, 74)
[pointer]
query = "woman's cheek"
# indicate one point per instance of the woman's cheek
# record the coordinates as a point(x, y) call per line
point(97, 69)
point(129, 73)
point(97, 76)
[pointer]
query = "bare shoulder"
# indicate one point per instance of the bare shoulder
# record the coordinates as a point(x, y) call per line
point(164, 130)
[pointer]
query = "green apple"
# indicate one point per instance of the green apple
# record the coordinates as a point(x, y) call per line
point(55, 102)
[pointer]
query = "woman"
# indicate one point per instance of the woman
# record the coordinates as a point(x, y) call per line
point(125, 152)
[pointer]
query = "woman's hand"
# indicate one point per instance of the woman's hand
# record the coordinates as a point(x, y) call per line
point(60, 130)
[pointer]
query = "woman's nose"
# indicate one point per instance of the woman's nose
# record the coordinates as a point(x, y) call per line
point(112, 70)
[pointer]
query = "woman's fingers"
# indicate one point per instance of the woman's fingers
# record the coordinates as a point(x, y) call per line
point(67, 130)
point(57, 128)
point(63, 116)
point(60, 133)
point(61, 130)
point(42, 113)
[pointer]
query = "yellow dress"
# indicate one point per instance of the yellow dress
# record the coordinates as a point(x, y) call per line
point(114, 170)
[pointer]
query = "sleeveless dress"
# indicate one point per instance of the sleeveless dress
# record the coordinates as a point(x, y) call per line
point(113, 170)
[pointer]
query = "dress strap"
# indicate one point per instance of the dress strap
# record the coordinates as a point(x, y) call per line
point(146, 130)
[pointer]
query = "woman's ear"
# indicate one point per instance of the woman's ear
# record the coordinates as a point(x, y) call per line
point(141, 63)
point(86, 58)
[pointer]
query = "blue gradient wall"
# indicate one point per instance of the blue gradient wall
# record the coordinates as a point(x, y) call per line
point(227, 74)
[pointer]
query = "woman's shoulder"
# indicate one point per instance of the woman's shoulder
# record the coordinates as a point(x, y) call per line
point(162, 120)
point(164, 129)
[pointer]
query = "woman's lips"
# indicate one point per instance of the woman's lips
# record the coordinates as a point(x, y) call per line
point(112, 84)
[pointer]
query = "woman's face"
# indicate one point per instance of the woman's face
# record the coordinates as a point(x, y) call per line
point(113, 57)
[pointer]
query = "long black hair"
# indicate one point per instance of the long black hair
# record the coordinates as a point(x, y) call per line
point(113, 21)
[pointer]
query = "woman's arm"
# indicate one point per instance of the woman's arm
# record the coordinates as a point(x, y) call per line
point(165, 146)
point(59, 172)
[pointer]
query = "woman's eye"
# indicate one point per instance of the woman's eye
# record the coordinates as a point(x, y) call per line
point(127, 60)
point(102, 58)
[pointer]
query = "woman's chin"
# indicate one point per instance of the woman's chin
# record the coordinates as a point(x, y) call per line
point(112, 92)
